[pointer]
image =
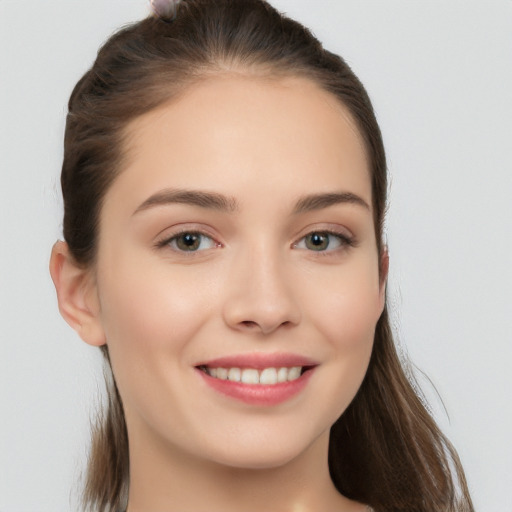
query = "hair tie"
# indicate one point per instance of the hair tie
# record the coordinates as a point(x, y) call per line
point(165, 9)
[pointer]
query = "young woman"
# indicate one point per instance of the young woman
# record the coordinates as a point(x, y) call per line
point(224, 182)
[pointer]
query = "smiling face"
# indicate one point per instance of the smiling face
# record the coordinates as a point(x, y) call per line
point(239, 242)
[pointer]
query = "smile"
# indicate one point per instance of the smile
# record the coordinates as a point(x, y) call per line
point(258, 379)
point(265, 376)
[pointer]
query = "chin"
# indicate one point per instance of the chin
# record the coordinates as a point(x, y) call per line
point(258, 461)
point(261, 453)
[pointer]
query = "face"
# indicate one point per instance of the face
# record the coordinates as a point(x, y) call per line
point(238, 243)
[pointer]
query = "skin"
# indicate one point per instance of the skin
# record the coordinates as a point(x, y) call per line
point(254, 286)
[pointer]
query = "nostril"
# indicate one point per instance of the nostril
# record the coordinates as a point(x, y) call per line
point(251, 325)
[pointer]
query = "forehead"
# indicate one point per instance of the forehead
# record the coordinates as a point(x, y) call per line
point(231, 131)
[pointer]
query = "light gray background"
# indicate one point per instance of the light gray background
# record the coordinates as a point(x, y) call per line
point(439, 74)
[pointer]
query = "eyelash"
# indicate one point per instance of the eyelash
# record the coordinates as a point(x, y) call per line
point(343, 240)
point(167, 242)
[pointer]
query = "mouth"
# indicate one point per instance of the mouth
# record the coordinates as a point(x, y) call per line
point(258, 379)
point(270, 376)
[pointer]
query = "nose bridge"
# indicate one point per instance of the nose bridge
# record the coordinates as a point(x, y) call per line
point(260, 290)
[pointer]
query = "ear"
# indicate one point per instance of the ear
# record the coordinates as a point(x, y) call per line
point(383, 276)
point(77, 295)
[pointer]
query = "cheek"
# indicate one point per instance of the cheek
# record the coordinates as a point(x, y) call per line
point(351, 319)
point(345, 305)
point(345, 310)
point(152, 310)
point(151, 316)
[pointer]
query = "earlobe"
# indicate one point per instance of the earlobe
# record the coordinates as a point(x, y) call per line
point(77, 295)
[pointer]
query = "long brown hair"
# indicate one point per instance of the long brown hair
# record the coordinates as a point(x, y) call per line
point(385, 450)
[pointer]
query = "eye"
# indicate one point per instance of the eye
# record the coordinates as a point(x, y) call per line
point(189, 241)
point(323, 241)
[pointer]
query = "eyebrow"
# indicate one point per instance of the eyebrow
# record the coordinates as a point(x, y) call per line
point(320, 201)
point(208, 200)
point(222, 203)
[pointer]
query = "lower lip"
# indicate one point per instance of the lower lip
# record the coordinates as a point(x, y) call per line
point(258, 394)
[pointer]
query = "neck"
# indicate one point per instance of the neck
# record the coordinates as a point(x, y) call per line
point(164, 479)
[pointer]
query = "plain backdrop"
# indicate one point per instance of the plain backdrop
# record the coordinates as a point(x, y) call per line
point(439, 74)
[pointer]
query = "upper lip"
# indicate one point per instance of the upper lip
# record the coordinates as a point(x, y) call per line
point(259, 361)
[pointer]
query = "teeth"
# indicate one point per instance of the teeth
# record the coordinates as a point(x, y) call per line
point(268, 376)
point(234, 374)
point(250, 376)
point(294, 373)
point(222, 373)
point(282, 375)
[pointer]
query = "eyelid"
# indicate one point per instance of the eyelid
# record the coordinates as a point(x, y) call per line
point(347, 239)
point(171, 233)
point(334, 229)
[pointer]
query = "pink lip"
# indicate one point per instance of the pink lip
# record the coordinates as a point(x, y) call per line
point(258, 394)
point(259, 361)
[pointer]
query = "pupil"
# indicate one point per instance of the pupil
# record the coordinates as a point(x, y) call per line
point(318, 241)
point(188, 241)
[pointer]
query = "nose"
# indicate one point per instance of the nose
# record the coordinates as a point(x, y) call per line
point(260, 297)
